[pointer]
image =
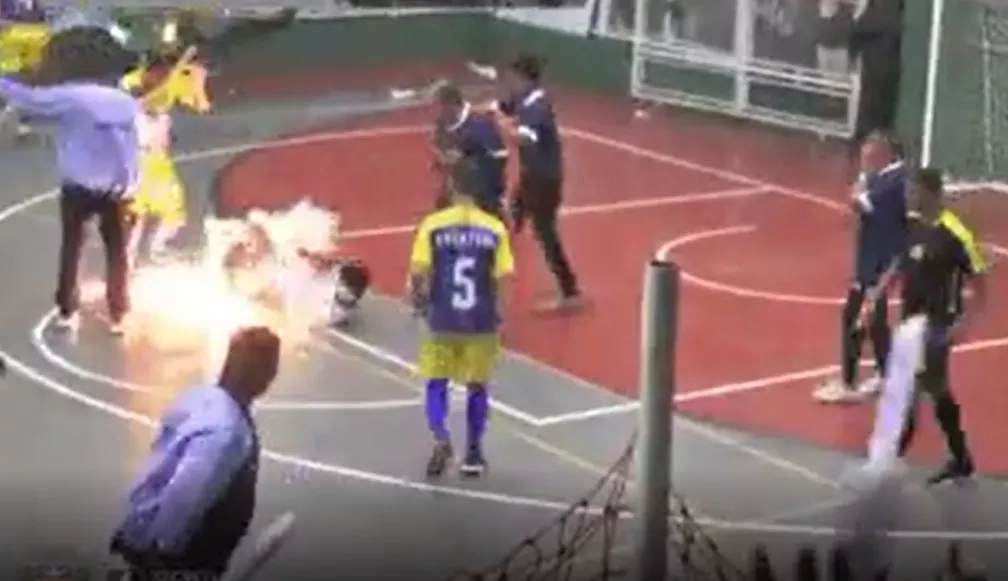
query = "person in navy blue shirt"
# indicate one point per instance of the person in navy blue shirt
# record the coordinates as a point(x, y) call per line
point(97, 155)
point(195, 496)
point(540, 180)
point(463, 132)
point(880, 202)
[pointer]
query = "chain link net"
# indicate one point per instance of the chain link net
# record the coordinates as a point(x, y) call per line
point(584, 541)
point(969, 125)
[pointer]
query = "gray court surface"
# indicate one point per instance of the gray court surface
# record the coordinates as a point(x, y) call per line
point(346, 436)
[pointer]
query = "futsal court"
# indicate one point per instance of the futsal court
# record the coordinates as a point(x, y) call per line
point(756, 222)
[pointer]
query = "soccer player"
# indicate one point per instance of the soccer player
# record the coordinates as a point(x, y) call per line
point(941, 256)
point(464, 132)
point(879, 200)
point(460, 258)
point(540, 182)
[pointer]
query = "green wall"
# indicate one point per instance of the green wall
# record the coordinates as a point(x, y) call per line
point(308, 46)
point(595, 64)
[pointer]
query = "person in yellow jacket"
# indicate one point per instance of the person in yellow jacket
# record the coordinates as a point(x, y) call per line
point(163, 84)
point(21, 48)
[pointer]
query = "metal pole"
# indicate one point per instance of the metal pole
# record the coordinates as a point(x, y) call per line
point(659, 313)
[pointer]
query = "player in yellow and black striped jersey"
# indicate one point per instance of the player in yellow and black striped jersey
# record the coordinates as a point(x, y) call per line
point(942, 257)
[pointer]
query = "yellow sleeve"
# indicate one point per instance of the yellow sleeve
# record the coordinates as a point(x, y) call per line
point(974, 256)
point(504, 261)
point(422, 255)
point(131, 80)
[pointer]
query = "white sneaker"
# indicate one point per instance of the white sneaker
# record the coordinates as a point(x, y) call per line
point(67, 324)
point(118, 328)
point(835, 391)
point(871, 386)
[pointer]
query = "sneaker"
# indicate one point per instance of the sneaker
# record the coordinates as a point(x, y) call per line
point(118, 326)
point(562, 304)
point(67, 323)
point(474, 464)
point(835, 391)
point(441, 457)
point(871, 386)
point(954, 471)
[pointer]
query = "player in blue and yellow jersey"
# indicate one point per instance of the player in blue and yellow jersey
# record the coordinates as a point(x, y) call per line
point(460, 259)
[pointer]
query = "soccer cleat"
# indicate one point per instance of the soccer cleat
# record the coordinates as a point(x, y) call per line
point(67, 323)
point(441, 457)
point(835, 391)
point(871, 386)
point(474, 464)
point(953, 470)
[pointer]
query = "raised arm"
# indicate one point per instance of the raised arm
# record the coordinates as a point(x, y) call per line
point(43, 101)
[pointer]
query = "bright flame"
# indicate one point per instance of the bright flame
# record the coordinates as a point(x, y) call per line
point(193, 305)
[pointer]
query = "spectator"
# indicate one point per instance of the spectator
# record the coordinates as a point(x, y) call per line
point(194, 500)
point(872, 33)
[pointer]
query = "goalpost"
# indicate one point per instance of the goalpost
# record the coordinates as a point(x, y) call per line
point(964, 122)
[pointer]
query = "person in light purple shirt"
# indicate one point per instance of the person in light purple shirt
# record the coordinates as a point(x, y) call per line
point(97, 155)
point(195, 496)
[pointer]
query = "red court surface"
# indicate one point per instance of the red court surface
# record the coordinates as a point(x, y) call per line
point(755, 220)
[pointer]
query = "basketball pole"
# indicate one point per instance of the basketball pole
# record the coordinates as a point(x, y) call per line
point(659, 313)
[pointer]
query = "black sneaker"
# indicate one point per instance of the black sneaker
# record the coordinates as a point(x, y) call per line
point(440, 458)
point(954, 471)
point(474, 464)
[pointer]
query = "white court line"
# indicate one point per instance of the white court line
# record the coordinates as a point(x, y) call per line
point(301, 462)
point(740, 387)
point(397, 361)
point(601, 208)
point(336, 406)
point(503, 408)
point(744, 386)
point(162, 392)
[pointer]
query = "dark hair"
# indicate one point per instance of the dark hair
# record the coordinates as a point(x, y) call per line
point(930, 180)
point(528, 66)
point(889, 139)
point(83, 53)
point(465, 177)
point(249, 348)
point(448, 93)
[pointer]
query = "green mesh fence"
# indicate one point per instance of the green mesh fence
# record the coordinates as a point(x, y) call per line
point(966, 130)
